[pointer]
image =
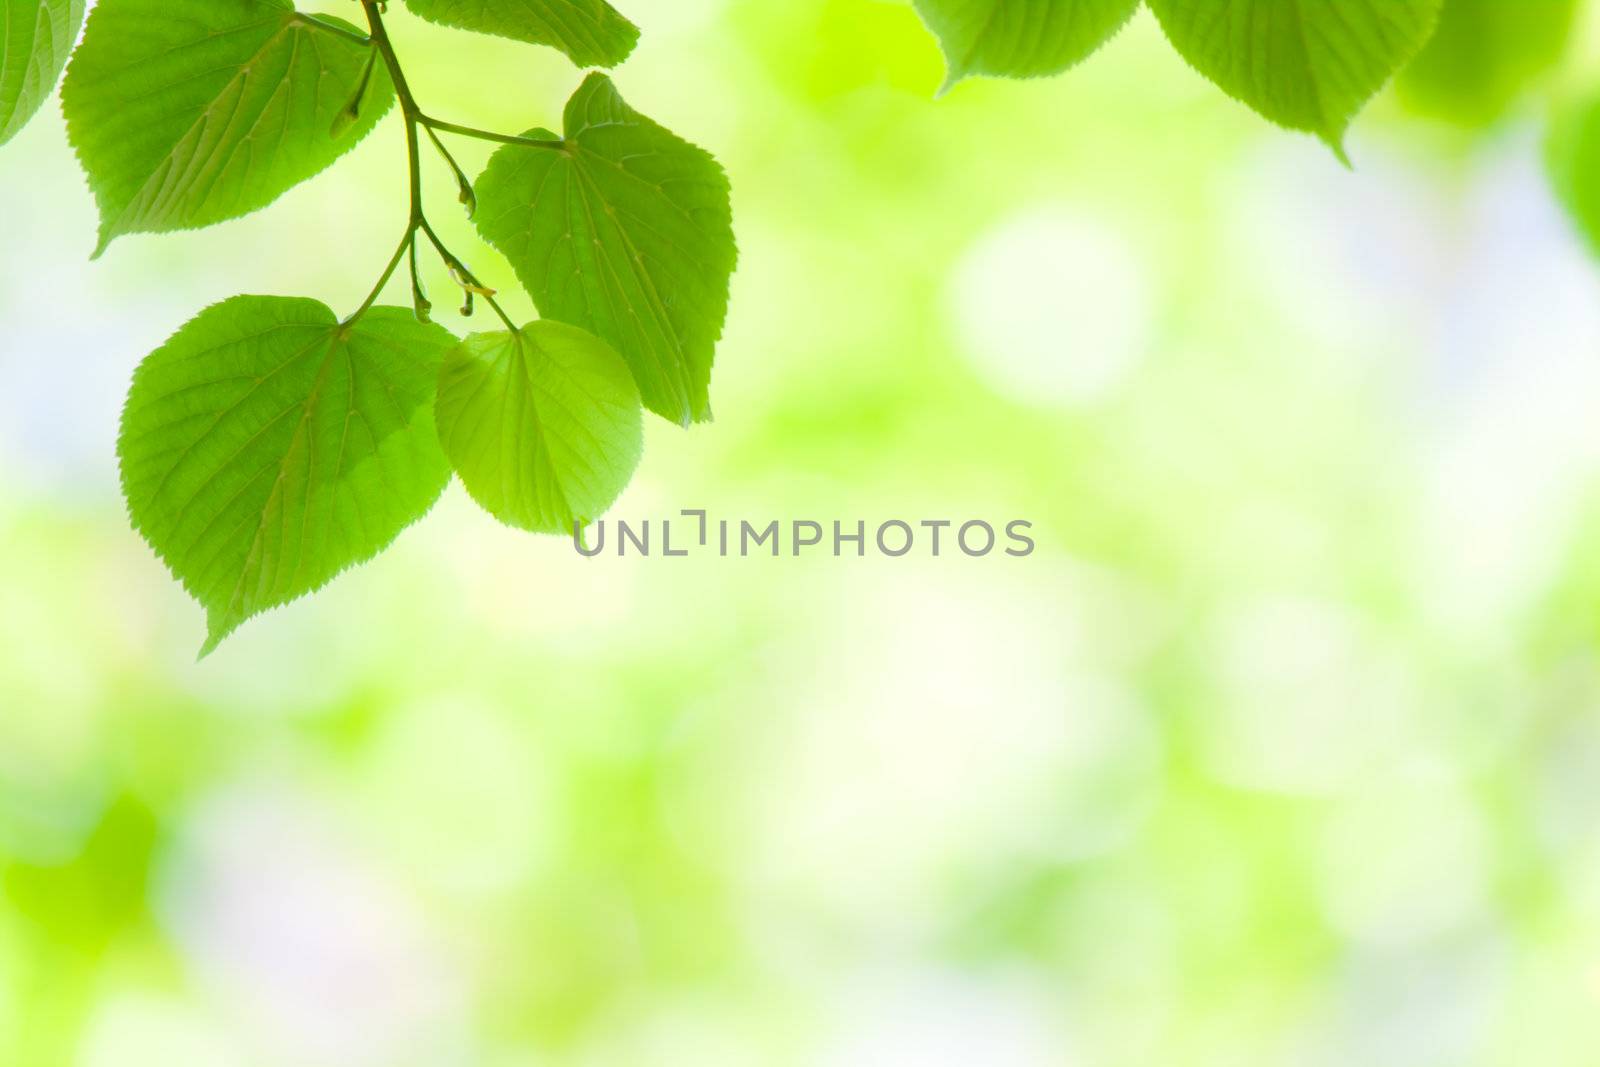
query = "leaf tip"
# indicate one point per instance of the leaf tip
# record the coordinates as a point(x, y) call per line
point(1334, 139)
point(219, 627)
point(953, 77)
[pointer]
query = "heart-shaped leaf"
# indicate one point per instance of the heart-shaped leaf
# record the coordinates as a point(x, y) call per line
point(543, 425)
point(1305, 64)
point(627, 231)
point(266, 447)
point(190, 112)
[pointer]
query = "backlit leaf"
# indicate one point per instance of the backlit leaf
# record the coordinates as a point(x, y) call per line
point(1306, 64)
point(266, 447)
point(626, 230)
point(1021, 40)
point(189, 112)
point(543, 425)
point(36, 37)
point(591, 32)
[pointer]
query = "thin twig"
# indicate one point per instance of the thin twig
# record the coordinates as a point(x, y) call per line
point(464, 274)
point(409, 241)
point(488, 135)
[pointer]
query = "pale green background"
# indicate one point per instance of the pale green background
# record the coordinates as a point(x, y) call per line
point(1284, 748)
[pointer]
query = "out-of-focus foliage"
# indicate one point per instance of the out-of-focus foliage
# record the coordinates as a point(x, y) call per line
point(1485, 54)
point(1574, 156)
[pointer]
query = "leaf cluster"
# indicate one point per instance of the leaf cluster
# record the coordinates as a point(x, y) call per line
point(1308, 65)
point(270, 444)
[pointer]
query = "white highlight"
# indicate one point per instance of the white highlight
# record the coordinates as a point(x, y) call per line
point(1053, 308)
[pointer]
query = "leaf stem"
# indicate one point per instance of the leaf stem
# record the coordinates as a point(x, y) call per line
point(407, 243)
point(488, 135)
point(380, 38)
point(417, 218)
point(408, 103)
point(336, 28)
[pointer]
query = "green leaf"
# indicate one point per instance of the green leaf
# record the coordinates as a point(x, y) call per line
point(627, 231)
point(542, 425)
point(1021, 40)
point(1485, 53)
point(190, 112)
point(1306, 64)
point(36, 37)
point(1574, 161)
point(591, 32)
point(267, 447)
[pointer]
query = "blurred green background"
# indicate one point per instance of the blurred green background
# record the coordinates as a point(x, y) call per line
point(1283, 748)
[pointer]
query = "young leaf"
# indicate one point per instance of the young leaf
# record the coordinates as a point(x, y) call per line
point(626, 231)
point(542, 425)
point(266, 447)
point(1485, 54)
point(1013, 40)
point(190, 112)
point(36, 36)
point(1306, 64)
point(1574, 159)
point(591, 32)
